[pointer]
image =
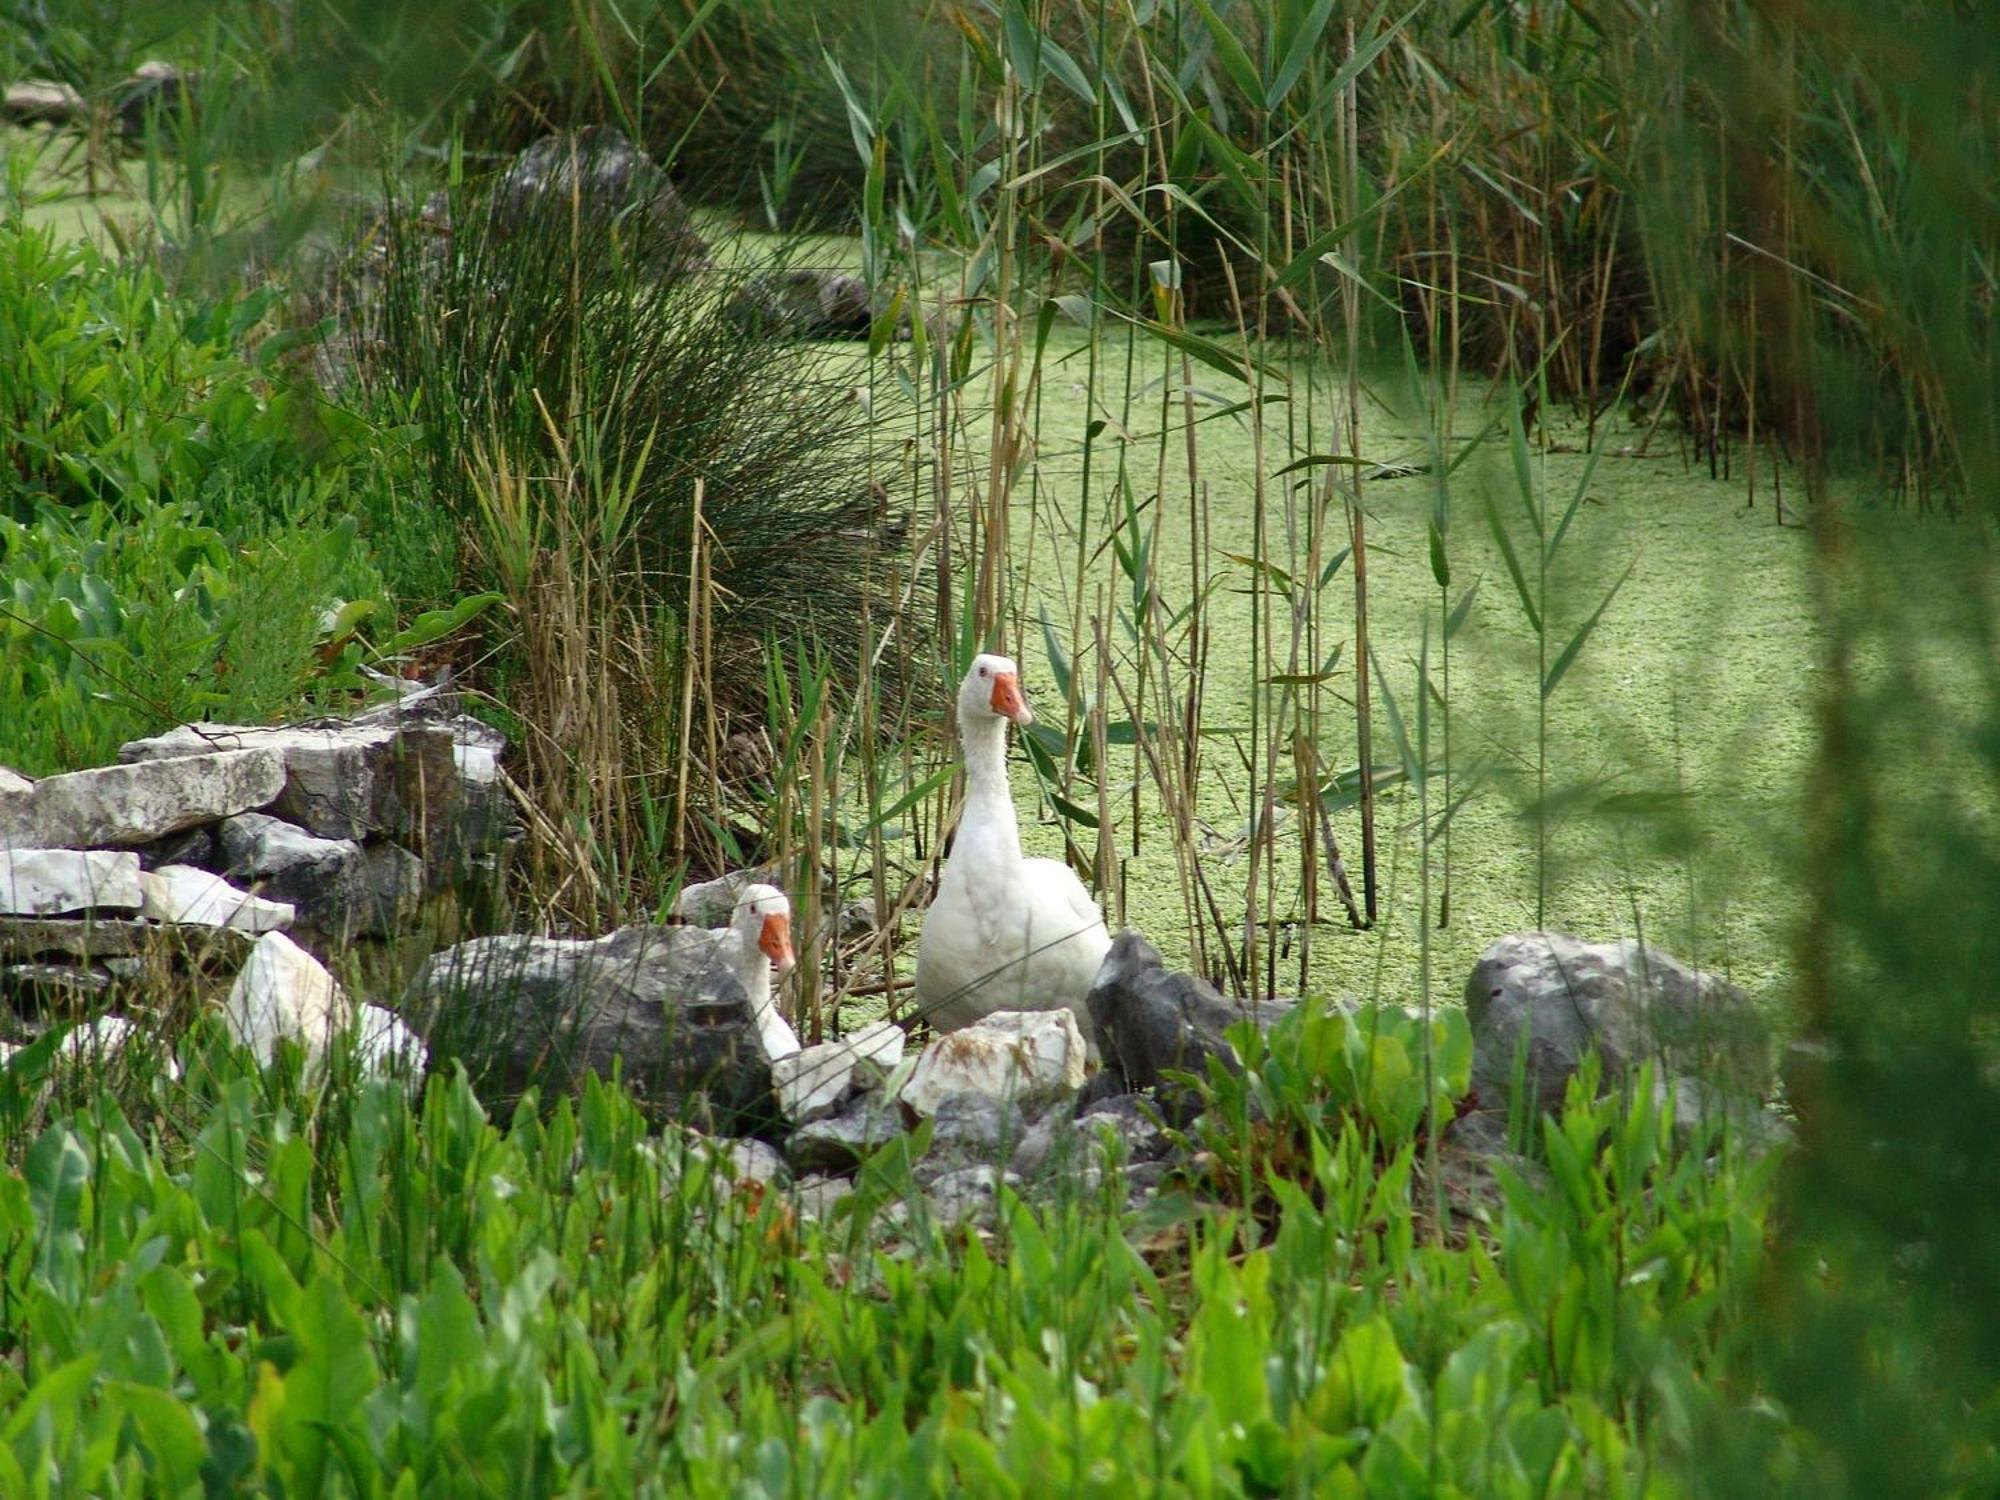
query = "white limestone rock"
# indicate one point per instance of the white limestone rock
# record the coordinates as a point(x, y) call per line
point(47, 882)
point(384, 1044)
point(1030, 1057)
point(285, 993)
point(811, 1084)
point(135, 804)
point(189, 897)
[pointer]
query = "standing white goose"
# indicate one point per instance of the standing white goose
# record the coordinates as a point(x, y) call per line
point(762, 922)
point(1005, 933)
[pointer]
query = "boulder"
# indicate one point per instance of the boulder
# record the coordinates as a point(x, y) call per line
point(752, 1160)
point(45, 882)
point(813, 1083)
point(817, 1197)
point(976, 1127)
point(188, 897)
point(1029, 1057)
point(137, 803)
point(1151, 1020)
point(393, 888)
point(710, 903)
point(662, 1004)
point(37, 101)
point(614, 186)
point(285, 994)
point(325, 881)
point(805, 304)
point(841, 1142)
point(1559, 998)
point(154, 85)
point(969, 1193)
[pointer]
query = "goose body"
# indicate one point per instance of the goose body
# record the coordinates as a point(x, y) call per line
point(762, 924)
point(1004, 932)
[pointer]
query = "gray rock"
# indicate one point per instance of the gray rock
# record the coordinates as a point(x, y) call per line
point(59, 981)
point(970, 1193)
point(663, 1004)
point(14, 781)
point(154, 85)
point(394, 888)
point(46, 882)
point(812, 1083)
point(344, 781)
point(325, 881)
point(36, 101)
point(107, 938)
point(816, 1197)
point(191, 846)
point(1029, 1057)
point(1560, 998)
point(709, 903)
point(614, 186)
point(807, 304)
point(1134, 1121)
point(753, 1161)
point(976, 1127)
point(135, 804)
point(1151, 1020)
point(840, 1142)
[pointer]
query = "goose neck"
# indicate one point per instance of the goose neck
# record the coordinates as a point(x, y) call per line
point(989, 799)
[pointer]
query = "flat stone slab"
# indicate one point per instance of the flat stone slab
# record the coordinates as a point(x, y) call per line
point(137, 803)
point(340, 781)
point(39, 101)
point(48, 882)
point(189, 897)
point(110, 937)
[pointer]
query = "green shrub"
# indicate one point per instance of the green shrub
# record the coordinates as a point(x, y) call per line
point(117, 625)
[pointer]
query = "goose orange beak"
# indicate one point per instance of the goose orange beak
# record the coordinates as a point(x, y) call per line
point(1008, 702)
point(775, 939)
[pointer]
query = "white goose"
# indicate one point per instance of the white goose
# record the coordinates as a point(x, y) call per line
point(762, 922)
point(1005, 933)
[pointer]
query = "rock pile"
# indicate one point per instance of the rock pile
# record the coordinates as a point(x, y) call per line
point(217, 841)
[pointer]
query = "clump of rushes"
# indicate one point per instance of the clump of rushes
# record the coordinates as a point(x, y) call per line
point(644, 477)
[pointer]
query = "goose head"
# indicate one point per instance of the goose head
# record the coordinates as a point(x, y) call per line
point(992, 691)
point(763, 920)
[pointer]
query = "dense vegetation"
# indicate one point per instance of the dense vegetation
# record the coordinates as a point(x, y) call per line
point(1170, 297)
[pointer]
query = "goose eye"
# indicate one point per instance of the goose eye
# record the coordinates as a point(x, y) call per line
point(982, 671)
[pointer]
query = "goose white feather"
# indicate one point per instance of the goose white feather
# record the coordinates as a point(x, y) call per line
point(762, 923)
point(1004, 932)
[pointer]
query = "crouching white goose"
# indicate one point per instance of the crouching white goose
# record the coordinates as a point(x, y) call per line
point(1005, 933)
point(762, 922)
